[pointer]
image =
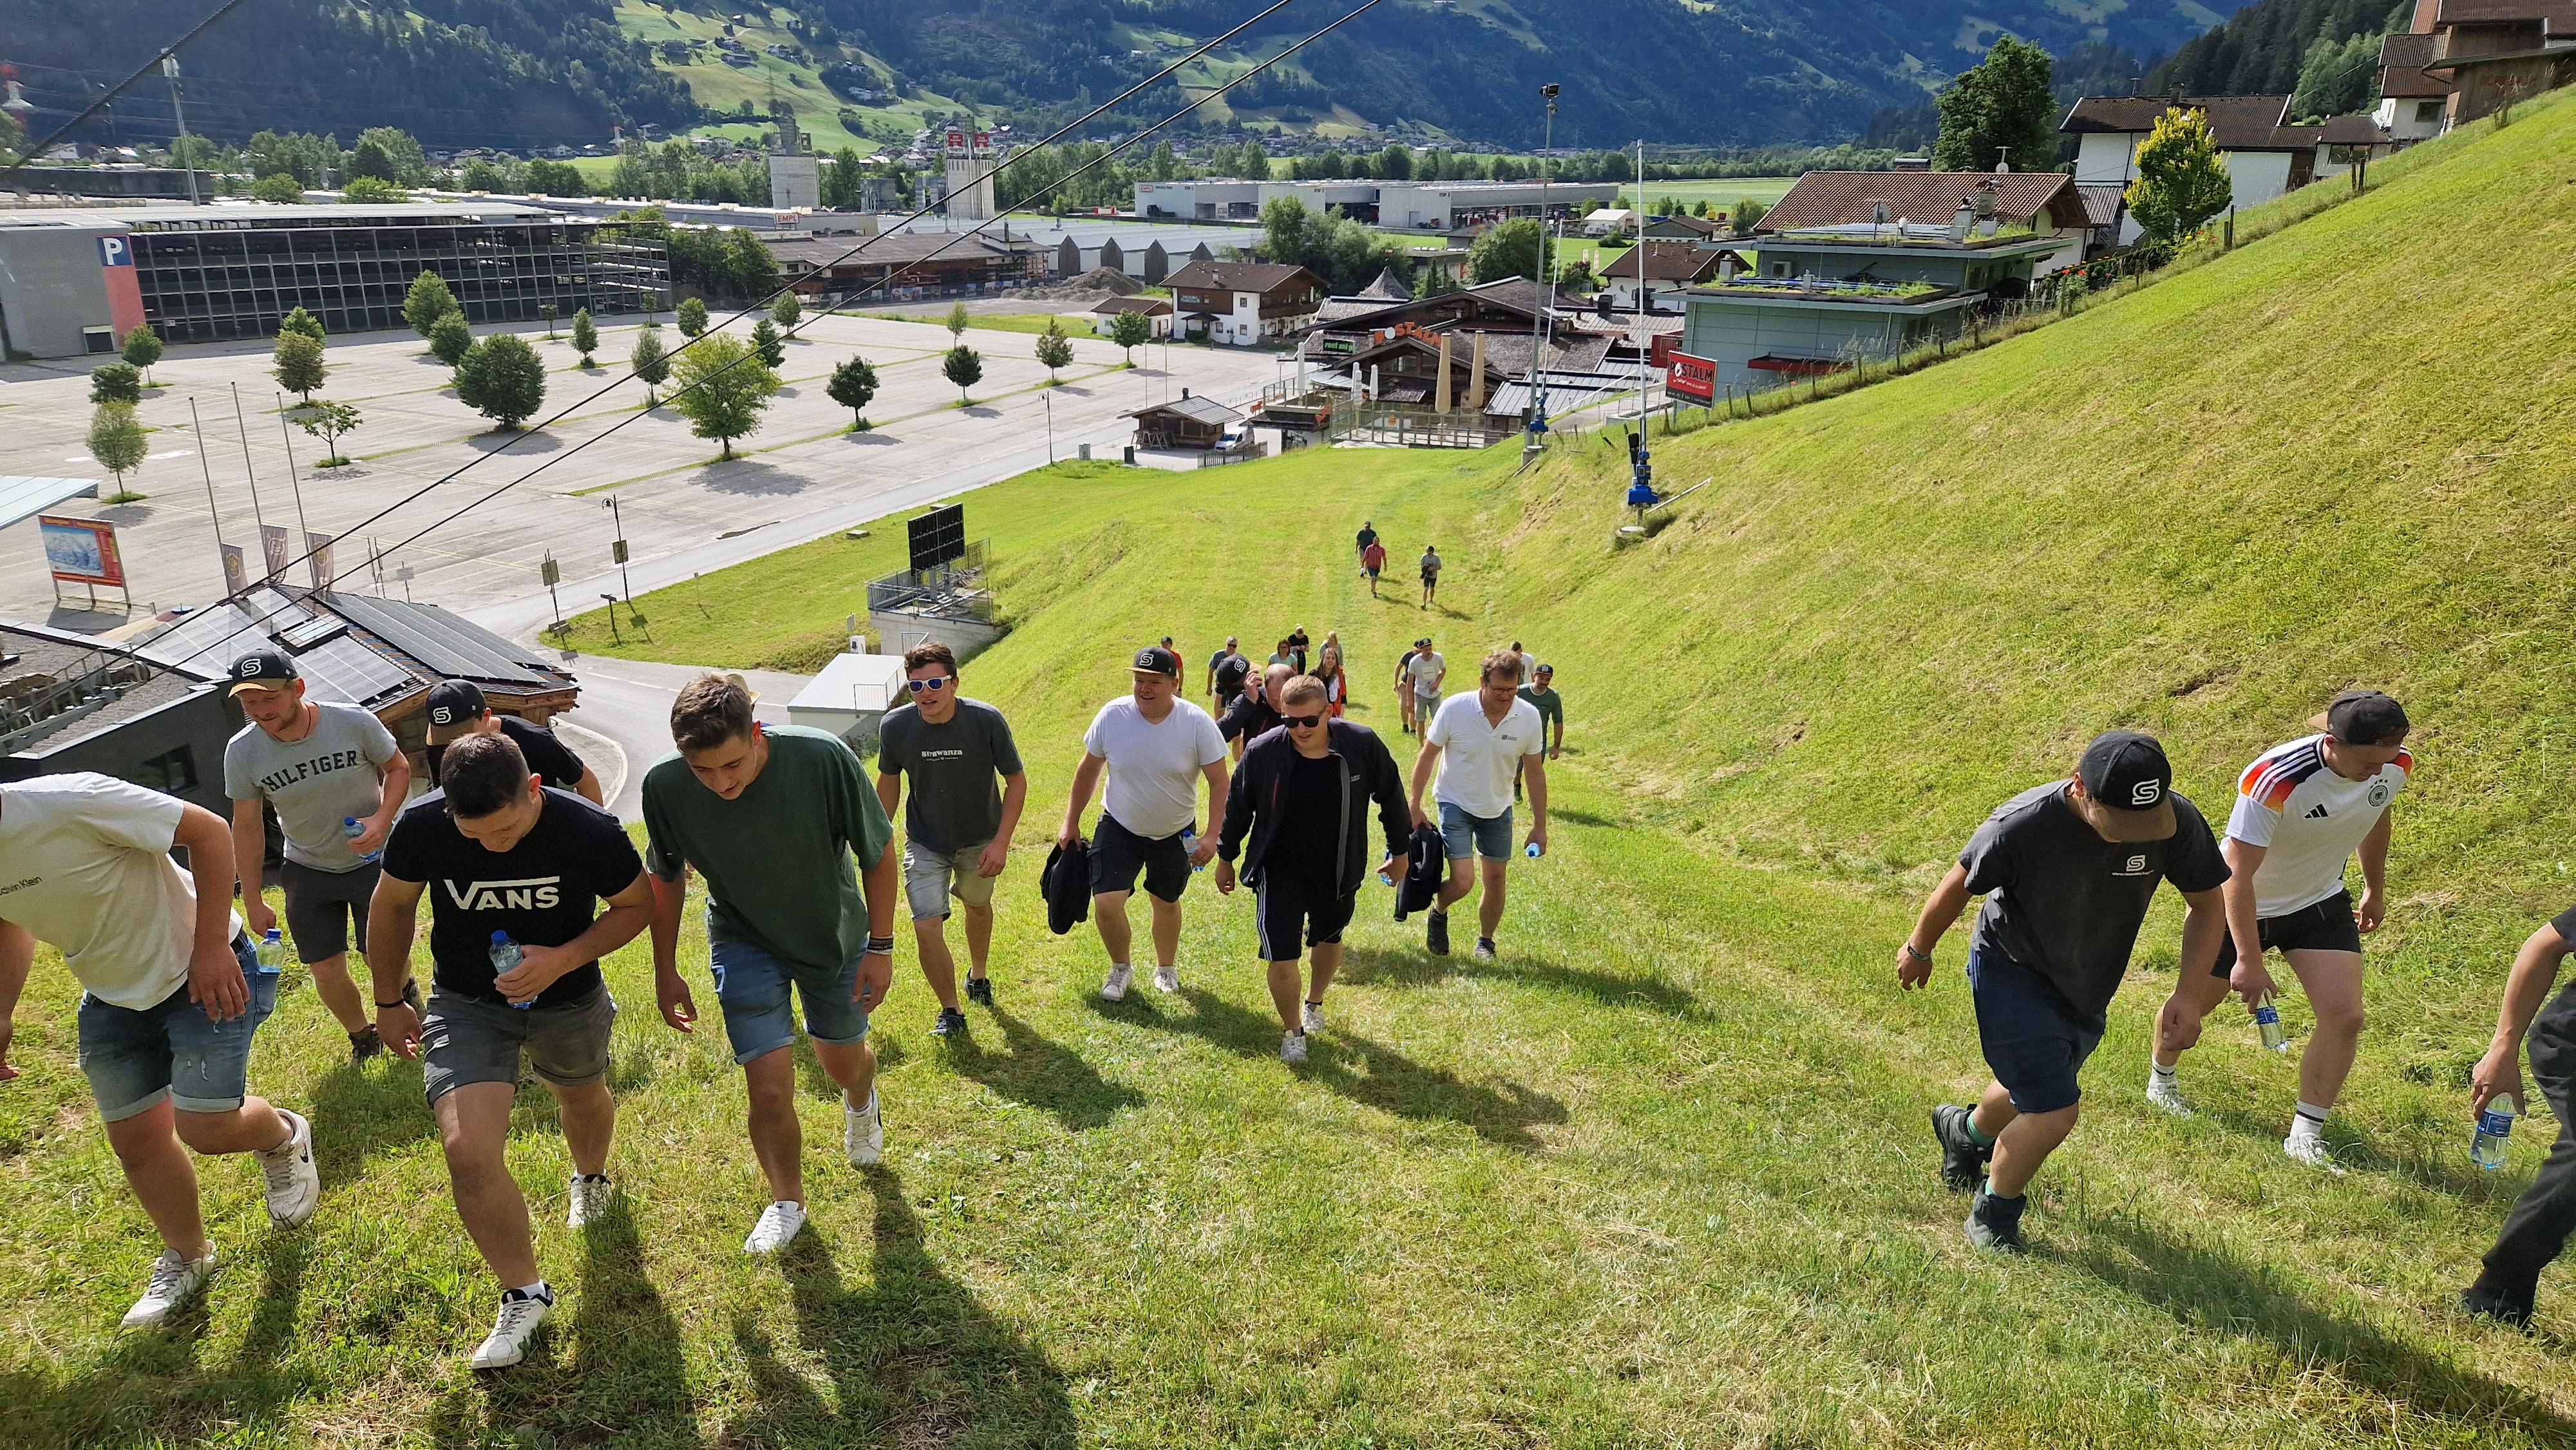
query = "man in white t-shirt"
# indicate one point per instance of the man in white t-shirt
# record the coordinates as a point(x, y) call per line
point(1476, 741)
point(1157, 747)
point(1425, 669)
point(172, 996)
point(2302, 810)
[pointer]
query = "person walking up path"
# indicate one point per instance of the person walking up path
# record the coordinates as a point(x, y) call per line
point(1373, 563)
point(2536, 1231)
point(1365, 541)
point(957, 833)
point(171, 996)
point(457, 709)
point(2303, 809)
point(1542, 697)
point(515, 873)
point(770, 816)
point(1226, 671)
point(1298, 815)
point(1476, 741)
point(2068, 870)
point(1426, 670)
point(322, 768)
point(1156, 748)
point(1430, 575)
point(1257, 712)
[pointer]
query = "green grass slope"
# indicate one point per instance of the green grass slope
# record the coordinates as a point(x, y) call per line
point(1659, 1176)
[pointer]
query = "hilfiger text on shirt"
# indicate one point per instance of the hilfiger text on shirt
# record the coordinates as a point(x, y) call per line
point(304, 770)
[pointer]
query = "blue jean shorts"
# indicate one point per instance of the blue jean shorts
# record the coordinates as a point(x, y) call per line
point(134, 1058)
point(1464, 835)
point(752, 987)
point(2034, 1039)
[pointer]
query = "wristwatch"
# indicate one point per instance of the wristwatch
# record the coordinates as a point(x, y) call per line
point(1923, 957)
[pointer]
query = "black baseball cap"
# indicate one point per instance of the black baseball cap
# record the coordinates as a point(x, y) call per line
point(454, 706)
point(1419, 643)
point(2365, 717)
point(2128, 784)
point(1153, 659)
point(262, 669)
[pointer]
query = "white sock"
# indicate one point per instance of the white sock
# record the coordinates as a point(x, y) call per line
point(2309, 1122)
point(2162, 1075)
point(537, 1290)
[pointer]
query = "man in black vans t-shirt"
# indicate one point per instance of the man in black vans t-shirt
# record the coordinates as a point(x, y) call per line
point(498, 854)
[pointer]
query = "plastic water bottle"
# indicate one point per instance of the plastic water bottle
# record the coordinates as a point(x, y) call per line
point(1534, 852)
point(2495, 1124)
point(1190, 842)
point(353, 828)
point(270, 953)
point(2267, 1020)
point(506, 957)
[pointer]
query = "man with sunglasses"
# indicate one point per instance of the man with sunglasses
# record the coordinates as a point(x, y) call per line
point(1302, 797)
point(1156, 747)
point(957, 834)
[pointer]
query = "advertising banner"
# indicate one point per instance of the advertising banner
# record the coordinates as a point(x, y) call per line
point(273, 547)
point(1691, 377)
point(236, 571)
point(81, 551)
point(317, 548)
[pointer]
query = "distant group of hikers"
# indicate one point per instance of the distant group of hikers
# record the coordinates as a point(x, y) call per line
point(529, 882)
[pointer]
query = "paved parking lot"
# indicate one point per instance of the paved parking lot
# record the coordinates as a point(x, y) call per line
point(422, 456)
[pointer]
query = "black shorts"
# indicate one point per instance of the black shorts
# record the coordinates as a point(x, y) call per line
point(1287, 908)
point(320, 905)
point(1118, 853)
point(2033, 1038)
point(2325, 927)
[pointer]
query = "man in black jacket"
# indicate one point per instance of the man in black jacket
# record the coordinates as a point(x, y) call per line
point(1255, 712)
point(1302, 795)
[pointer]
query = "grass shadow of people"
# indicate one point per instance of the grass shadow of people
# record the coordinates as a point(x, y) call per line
point(1369, 965)
point(2443, 1169)
point(2209, 1289)
point(359, 1112)
point(1043, 1073)
point(914, 1357)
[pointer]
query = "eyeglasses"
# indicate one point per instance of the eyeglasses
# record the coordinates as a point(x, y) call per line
point(1301, 722)
point(935, 682)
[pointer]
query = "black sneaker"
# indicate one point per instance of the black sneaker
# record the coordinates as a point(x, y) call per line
point(1963, 1158)
point(365, 1044)
point(979, 990)
point(1436, 940)
point(951, 1022)
point(1995, 1223)
point(2483, 1300)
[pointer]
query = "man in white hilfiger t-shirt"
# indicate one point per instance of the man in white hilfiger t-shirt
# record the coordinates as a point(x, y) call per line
point(1156, 747)
point(2302, 810)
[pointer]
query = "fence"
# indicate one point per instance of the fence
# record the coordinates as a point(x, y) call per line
point(1359, 422)
point(956, 590)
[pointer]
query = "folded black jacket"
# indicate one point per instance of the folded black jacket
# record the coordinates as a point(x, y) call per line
point(1252, 805)
point(1426, 863)
point(1066, 884)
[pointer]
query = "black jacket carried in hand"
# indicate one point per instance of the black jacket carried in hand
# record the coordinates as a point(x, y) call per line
point(1368, 772)
point(1426, 863)
point(1066, 884)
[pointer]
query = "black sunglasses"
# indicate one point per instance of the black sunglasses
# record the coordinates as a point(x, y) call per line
point(1302, 722)
point(935, 682)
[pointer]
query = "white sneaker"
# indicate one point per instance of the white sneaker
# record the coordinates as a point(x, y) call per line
point(1115, 989)
point(1167, 979)
point(589, 1199)
point(174, 1279)
point(1312, 1019)
point(294, 1187)
point(779, 1223)
point(1292, 1047)
point(507, 1344)
point(863, 1132)
point(2313, 1152)
point(2165, 1093)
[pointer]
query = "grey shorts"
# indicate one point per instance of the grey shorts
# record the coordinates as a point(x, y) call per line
point(321, 905)
point(468, 1040)
point(931, 877)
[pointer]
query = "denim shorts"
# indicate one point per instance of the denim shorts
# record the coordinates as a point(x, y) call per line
point(752, 987)
point(468, 1040)
point(931, 877)
point(134, 1058)
point(1464, 835)
point(2034, 1039)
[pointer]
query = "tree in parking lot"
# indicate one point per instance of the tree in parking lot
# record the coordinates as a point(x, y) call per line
point(2182, 180)
point(1054, 349)
point(693, 317)
point(965, 367)
point(304, 322)
point(449, 337)
point(116, 440)
point(143, 348)
point(786, 310)
point(585, 335)
point(297, 363)
point(854, 386)
point(957, 321)
point(766, 342)
point(724, 388)
point(327, 421)
point(650, 364)
point(115, 382)
point(1131, 330)
point(427, 301)
point(502, 378)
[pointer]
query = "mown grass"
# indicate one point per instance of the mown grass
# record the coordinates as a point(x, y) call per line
point(1660, 1175)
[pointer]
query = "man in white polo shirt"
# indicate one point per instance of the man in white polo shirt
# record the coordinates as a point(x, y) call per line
point(1476, 741)
point(1157, 747)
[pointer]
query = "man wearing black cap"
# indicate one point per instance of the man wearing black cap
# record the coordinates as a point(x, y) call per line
point(1156, 747)
point(2068, 870)
point(336, 778)
point(2303, 809)
point(456, 710)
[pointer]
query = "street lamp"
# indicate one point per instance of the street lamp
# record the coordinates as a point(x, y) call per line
point(1546, 258)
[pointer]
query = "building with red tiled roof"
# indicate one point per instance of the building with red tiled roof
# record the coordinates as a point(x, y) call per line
point(2462, 59)
point(2266, 155)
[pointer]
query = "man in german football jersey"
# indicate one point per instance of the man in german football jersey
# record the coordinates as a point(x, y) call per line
point(2303, 809)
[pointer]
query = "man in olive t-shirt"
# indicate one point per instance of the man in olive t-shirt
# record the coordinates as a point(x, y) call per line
point(771, 815)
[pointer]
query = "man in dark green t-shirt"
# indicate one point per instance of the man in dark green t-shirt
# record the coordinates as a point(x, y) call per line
point(1542, 695)
point(771, 816)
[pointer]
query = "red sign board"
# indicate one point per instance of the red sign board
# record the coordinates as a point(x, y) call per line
point(1691, 377)
point(81, 551)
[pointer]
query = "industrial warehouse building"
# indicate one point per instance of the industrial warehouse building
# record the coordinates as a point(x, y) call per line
point(1431, 205)
point(75, 282)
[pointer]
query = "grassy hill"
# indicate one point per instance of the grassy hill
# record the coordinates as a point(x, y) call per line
point(1658, 1176)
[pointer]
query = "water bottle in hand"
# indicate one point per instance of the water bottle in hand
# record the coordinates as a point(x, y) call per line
point(506, 957)
point(2267, 1020)
point(2495, 1124)
point(270, 953)
point(1534, 851)
point(1189, 843)
point(353, 828)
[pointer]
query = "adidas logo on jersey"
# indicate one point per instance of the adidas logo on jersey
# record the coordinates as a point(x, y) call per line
point(2315, 813)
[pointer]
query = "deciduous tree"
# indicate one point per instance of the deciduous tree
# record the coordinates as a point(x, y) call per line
point(649, 362)
point(115, 382)
point(724, 388)
point(277, 186)
point(692, 317)
point(502, 378)
point(449, 337)
point(116, 440)
point(2182, 180)
point(585, 335)
point(1054, 348)
point(327, 421)
point(854, 386)
point(1999, 109)
point(964, 367)
point(427, 301)
point(143, 348)
point(304, 322)
point(1508, 250)
point(957, 320)
point(786, 310)
point(297, 363)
